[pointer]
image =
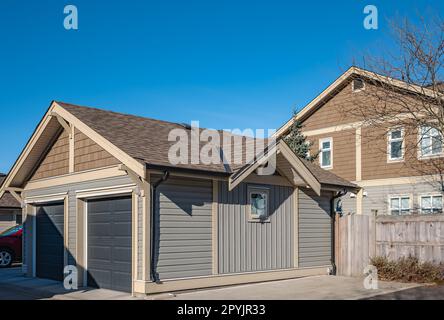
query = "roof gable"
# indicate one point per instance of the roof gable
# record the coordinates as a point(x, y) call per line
point(342, 81)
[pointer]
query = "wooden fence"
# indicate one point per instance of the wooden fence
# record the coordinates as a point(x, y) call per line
point(360, 237)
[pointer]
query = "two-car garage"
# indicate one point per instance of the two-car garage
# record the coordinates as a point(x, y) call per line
point(108, 242)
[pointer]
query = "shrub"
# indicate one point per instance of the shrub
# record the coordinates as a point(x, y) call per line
point(408, 270)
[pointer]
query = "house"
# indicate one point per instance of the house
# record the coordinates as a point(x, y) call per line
point(100, 193)
point(10, 209)
point(374, 157)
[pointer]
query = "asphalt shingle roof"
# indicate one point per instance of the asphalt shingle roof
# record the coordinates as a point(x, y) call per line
point(146, 140)
point(7, 200)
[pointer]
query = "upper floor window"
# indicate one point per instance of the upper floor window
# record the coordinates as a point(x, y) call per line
point(399, 205)
point(396, 144)
point(358, 85)
point(431, 204)
point(430, 141)
point(326, 153)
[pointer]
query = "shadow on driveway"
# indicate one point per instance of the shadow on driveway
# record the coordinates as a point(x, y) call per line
point(419, 293)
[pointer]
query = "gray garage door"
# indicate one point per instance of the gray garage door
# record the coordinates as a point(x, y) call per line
point(49, 241)
point(109, 243)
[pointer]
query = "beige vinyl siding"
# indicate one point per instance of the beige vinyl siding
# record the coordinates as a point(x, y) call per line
point(378, 197)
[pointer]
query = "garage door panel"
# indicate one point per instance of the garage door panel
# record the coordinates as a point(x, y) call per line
point(49, 241)
point(110, 243)
point(121, 229)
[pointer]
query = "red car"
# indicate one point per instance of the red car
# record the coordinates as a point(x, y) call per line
point(11, 246)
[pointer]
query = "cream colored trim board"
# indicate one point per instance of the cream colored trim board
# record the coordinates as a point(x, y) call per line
point(360, 72)
point(106, 191)
point(225, 280)
point(397, 181)
point(300, 167)
point(359, 201)
point(358, 144)
point(280, 148)
point(134, 237)
point(46, 198)
point(338, 128)
point(27, 150)
point(296, 226)
point(71, 150)
point(146, 229)
point(215, 229)
point(117, 153)
point(95, 174)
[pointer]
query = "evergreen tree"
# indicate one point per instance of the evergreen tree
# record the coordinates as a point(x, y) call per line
point(298, 142)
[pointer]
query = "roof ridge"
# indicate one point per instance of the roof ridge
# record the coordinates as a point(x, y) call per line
point(115, 112)
point(61, 103)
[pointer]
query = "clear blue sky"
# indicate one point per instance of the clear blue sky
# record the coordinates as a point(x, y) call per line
point(228, 64)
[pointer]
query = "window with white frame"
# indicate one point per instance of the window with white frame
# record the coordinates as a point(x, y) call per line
point(258, 203)
point(396, 144)
point(326, 153)
point(399, 205)
point(430, 141)
point(431, 204)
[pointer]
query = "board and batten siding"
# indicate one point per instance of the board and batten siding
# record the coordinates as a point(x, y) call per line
point(245, 246)
point(183, 228)
point(315, 236)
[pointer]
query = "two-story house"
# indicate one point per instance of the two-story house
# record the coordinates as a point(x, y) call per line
point(391, 164)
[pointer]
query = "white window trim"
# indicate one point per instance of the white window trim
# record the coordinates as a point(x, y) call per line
point(393, 196)
point(353, 85)
point(389, 145)
point(330, 139)
point(252, 189)
point(426, 157)
point(429, 195)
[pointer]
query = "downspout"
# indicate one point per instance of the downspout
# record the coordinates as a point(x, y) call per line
point(339, 194)
point(165, 176)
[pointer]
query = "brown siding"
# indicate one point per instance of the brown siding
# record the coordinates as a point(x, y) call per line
point(56, 161)
point(89, 155)
point(374, 157)
point(344, 152)
point(334, 111)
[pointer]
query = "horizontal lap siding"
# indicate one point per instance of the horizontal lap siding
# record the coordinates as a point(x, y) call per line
point(314, 229)
point(249, 246)
point(344, 152)
point(378, 197)
point(184, 228)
